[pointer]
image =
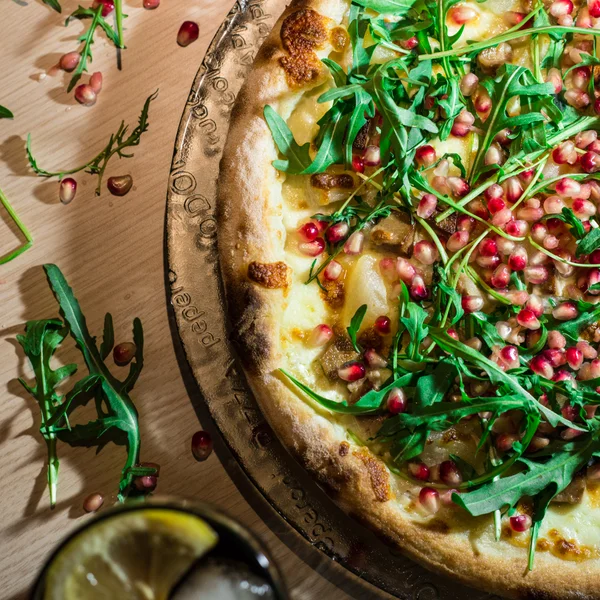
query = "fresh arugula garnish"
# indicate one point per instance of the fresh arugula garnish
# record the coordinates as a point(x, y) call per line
point(87, 38)
point(5, 113)
point(117, 414)
point(54, 4)
point(117, 144)
point(22, 228)
point(355, 324)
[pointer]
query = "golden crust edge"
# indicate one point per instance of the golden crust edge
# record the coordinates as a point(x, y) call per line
point(245, 171)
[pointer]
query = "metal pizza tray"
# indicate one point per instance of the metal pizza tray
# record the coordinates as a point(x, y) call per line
point(195, 295)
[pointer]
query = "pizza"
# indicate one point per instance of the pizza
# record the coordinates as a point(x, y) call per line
point(409, 240)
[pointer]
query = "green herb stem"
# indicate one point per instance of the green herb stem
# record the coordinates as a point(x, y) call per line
point(22, 228)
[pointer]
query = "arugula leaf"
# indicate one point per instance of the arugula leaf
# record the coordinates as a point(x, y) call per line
point(338, 74)
point(416, 328)
point(5, 113)
point(54, 4)
point(297, 157)
point(355, 324)
point(393, 7)
point(120, 412)
point(589, 242)
point(572, 329)
point(22, 228)
point(557, 472)
point(432, 388)
point(39, 343)
point(409, 445)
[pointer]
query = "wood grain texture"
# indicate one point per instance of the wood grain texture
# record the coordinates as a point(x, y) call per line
point(111, 251)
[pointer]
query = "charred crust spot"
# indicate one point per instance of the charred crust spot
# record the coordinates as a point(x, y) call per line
point(380, 479)
point(269, 275)
point(344, 448)
point(303, 31)
point(333, 293)
point(327, 181)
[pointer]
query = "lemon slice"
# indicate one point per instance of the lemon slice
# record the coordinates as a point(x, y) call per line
point(135, 555)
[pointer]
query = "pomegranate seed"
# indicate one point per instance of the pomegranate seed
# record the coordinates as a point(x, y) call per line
point(535, 305)
point(505, 246)
point(502, 218)
point(425, 252)
point(405, 270)
point(308, 232)
point(440, 184)
point(517, 261)
point(577, 98)
point(503, 138)
point(472, 304)
point(520, 523)
point(504, 441)
point(429, 500)
point(119, 185)
point(583, 209)
point(354, 244)
point(584, 138)
point(495, 205)
point(514, 189)
point(574, 358)
point(425, 156)
point(202, 445)
point(556, 357)
point(107, 6)
point(568, 188)
point(396, 401)
point(503, 329)
point(488, 247)
point(460, 129)
point(540, 365)
point(482, 101)
point(563, 375)
point(468, 84)
point(464, 116)
point(358, 164)
point(501, 277)
point(313, 248)
point(526, 318)
point(374, 360)
point(151, 4)
point(516, 297)
point(372, 156)
point(427, 206)
point(188, 33)
point(538, 443)
point(442, 168)
point(513, 18)
point(570, 434)
point(553, 205)
point(493, 192)
point(510, 355)
point(410, 43)
point(462, 14)
point(593, 279)
point(96, 82)
point(124, 353)
point(337, 232)
point(555, 78)
point(538, 232)
point(450, 473)
point(457, 241)
point(494, 156)
point(145, 483)
point(418, 291)
point(586, 349)
point(418, 470)
point(565, 311)
point(320, 335)
point(93, 502)
point(351, 371)
point(478, 208)
point(594, 257)
point(458, 186)
point(383, 325)
point(465, 223)
point(550, 242)
point(452, 333)
point(67, 190)
point(597, 106)
point(332, 271)
point(536, 275)
point(563, 153)
point(583, 17)
point(68, 62)
point(84, 94)
point(569, 412)
point(556, 339)
point(580, 77)
point(518, 227)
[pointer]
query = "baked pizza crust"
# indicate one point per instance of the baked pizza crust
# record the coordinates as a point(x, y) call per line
point(251, 231)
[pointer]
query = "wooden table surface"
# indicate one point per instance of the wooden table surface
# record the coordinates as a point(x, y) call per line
point(111, 251)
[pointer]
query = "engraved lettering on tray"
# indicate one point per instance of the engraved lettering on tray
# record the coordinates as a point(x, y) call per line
point(183, 182)
point(250, 411)
point(317, 530)
point(182, 303)
point(426, 591)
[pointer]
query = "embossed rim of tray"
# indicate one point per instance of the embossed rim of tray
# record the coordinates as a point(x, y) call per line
point(196, 299)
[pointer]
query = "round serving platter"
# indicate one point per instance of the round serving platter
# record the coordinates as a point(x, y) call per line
point(196, 299)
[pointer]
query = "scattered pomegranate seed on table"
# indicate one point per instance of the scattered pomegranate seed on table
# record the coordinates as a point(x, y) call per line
point(68, 62)
point(84, 94)
point(188, 33)
point(151, 4)
point(119, 185)
point(93, 502)
point(67, 190)
point(123, 353)
point(202, 445)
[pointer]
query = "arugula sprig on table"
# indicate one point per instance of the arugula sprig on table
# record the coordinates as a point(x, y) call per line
point(117, 144)
point(22, 228)
point(117, 415)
